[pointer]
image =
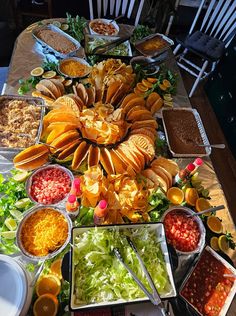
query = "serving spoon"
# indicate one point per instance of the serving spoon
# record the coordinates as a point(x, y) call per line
point(220, 146)
point(212, 209)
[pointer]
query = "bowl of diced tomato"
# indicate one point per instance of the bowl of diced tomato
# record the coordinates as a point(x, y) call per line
point(49, 185)
point(185, 233)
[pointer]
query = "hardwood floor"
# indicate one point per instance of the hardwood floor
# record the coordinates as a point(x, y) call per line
point(222, 159)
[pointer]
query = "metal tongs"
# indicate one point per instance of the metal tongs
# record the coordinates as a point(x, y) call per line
point(102, 49)
point(154, 297)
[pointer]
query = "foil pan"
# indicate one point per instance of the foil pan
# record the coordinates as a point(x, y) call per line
point(10, 152)
point(57, 30)
point(155, 52)
point(202, 131)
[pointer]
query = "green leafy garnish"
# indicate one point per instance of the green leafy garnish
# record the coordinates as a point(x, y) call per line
point(48, 65)
point(76, 26)
point(230, 240)
point(140, 32)
point(85, 216)
point(158, 204)
point(27, 84)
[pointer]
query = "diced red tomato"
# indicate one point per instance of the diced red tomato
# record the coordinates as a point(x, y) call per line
point(50, 186)
point(182, 232)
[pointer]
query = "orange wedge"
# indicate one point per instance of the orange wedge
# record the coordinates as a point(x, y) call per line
point(56, 268)
point(203, 204)
point(48, 284)
point(46, 305)
point(175, 195)
point(191, 196)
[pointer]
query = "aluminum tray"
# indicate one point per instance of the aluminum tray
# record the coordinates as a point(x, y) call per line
point(10, 152)
point(160, 235)
point(232, 292)
point(57, 30)
point(201, 130)
point(156, 52)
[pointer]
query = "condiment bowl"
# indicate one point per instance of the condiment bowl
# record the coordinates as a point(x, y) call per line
point(107, 23)
point(31, 178)
point(27, 215)
point(82, 65)
point(187, 211)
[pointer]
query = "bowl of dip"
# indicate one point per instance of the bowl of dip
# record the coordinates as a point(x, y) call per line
point(74, 67)
point(103, 27)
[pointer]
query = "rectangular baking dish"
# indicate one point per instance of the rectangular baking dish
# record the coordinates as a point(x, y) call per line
point(154, 52)
point(160, 235)
point(201, 130)
point(57, 30)
point(232, 292)
point(10, 152)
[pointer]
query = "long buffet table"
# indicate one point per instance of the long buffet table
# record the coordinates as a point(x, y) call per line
point(28, 54)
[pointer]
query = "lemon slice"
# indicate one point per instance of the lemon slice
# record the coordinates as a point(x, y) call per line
point(21, 176)
point(64, 27)
point(10, 223)
point(56, 23)
point(36, 72)
point(214, 224)
point(49, 74)
point(8, 234)
point(16, 214)
point(214, 243)
point(223, 243)
point(22, 203)
point(67, 83)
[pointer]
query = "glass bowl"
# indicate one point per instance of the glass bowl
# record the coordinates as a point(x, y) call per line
point(188, 211)
point(31, 177)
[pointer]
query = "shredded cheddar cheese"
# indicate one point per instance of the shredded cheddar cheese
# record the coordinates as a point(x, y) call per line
point(44, 232)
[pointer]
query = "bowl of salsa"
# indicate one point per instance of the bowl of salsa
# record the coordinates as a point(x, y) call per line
point(185, 233)
point(103, 27)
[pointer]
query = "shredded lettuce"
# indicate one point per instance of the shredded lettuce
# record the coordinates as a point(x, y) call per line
point(100, 277)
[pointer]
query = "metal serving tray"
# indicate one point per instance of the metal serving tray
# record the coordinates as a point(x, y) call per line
point(57, 30)
point(160, 235)
point(201, 130)
point(89, 37)
point(155, 52)
point(232, 292)
point(10, 152)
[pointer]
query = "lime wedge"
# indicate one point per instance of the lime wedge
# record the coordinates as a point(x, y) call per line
point(21, 176)
point(10, 223)
point(8, 234)
point(22, 203)
point(16, 214)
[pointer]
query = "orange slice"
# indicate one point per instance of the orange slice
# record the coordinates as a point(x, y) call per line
point(203, 204)
point(223, 243)
point(214, 224)
point(175, 195)
point(48, 284)
point(191, 196)
point(46, 305)
point(55, 268)
point(214, 243)
point(49, 74)
point(37, 72)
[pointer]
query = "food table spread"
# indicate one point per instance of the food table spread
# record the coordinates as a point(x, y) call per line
point(27, 49)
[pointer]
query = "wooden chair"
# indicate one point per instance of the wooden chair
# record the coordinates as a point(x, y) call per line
point(210, 40)
point(115, 8)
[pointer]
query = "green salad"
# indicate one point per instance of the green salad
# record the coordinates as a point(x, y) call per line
point(100, 277)
point(120, 50)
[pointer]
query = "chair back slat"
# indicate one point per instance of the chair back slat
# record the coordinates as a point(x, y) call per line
point(91, 9)
point(124, 7)
point(228, 19)
point(140, 8)
point(230, 23)
point(99, 8)
point(228, 34)
point(222, 17)
point(105, 6)
point(214, 14)
point(118, 3)
point(112, 6)
point(207, 15)
point(196, 16)
point(131, 6)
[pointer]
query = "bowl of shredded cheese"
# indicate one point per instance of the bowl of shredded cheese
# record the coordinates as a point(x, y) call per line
point(74, 67)
point(43, 232)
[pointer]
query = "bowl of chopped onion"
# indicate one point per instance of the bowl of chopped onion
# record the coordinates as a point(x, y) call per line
point(43, 232)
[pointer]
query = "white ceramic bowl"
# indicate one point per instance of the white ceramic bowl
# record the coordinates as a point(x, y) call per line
point(106, 22)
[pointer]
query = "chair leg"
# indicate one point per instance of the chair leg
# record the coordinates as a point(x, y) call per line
point(198, 78)
point(176, 49)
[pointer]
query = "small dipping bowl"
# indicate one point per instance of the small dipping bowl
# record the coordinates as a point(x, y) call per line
point(74, 67)
point(180, 214)
point(24, 221)
point(103, 27)
point(141, 60)
point(41, 183)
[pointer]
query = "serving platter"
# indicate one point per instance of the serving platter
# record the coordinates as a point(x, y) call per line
point(157, 228)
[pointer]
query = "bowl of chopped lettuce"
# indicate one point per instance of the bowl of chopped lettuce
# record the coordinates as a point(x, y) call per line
point(99, 279)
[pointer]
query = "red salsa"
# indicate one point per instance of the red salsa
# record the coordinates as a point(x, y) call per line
point(182, 232)
point(207, 289)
